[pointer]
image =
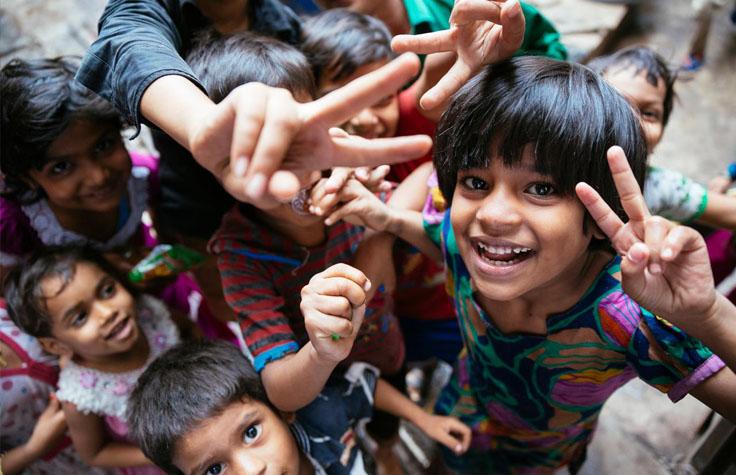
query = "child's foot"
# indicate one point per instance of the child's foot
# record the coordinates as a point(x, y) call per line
point(692, 63)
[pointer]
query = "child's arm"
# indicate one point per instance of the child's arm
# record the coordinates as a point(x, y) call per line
point(333, 305)
point(48, 431)
point(446, 430)
point(720, 212)
point(91, 442)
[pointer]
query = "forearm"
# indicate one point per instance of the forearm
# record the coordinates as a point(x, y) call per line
point(176, 105)
point(409, 226)
point(295, 380)
point(391, 400)
point(720, 211)
point(116, 454)
point(718, 331)
point(16, 460)
point(374, 258)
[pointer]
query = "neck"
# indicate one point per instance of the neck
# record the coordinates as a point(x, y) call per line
point(529, 312)
point(96, 225)
point(130, 360)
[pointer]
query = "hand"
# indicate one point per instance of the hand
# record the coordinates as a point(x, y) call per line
point(260, 143)
point(665, 266)
point(333, 305)
point(481, 32)
point(49, 429)
point(448, 431)
point(324, 195)
point(361, 208)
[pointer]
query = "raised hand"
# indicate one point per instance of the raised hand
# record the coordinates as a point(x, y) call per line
point(333, 305)
point(481, 32)
point(664, 266)
point(261, 143)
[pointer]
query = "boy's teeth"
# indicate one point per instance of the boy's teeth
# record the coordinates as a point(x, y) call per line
point(500, 250)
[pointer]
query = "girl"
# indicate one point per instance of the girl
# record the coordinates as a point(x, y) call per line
point(549, 332)
point(68, 179)
point(73, 301)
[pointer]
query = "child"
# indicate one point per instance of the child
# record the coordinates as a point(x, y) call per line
point(266, 255)
point(73, 301)
point(202, 409)
point(642, 76)
point(549, 334)
point(34, 428)
point(68, 179)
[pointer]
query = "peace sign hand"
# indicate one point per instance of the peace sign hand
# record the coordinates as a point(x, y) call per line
point(665, 266)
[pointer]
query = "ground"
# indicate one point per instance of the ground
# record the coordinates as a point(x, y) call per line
point(640, 431)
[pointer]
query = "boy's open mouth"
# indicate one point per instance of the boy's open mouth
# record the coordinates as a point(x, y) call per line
point(121, 330)
point(502, 256)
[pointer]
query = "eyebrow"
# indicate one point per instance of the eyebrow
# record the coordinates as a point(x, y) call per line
point(245, 421)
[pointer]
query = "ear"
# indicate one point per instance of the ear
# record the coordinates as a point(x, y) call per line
point(55, 347)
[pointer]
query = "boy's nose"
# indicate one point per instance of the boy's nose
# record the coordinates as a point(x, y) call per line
point(105, 310)
point(364, 118)
point(97, 175)
point(249, 463)
point(498, 211)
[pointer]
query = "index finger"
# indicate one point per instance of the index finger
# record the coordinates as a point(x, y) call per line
point(466, 11)
point(628, 189)
point(602, 214)
point(342, 104)
point(347, 271)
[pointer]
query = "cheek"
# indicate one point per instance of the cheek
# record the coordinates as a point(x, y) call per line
point(653, 134)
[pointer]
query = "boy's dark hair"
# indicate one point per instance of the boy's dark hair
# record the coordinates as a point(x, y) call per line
point(23, 291)
point(565, 112)
point(39, 99)
point(224, 62)
point(186, 385)
point(338, 41)
point(641, 59)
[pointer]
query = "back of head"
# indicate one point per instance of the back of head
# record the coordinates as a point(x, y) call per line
point(641, 59)
point(183, 387)
point(565, 112)
point(338, 41)
point(38, 100)
point(224, 62)
point(23, 285)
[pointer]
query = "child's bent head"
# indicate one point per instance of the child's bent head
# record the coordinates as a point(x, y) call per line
point(341, 46)
point(224, 62)
point(74, 302)
point(201, 408)
point(560, 115)
point(643, 77)
point(60, 140)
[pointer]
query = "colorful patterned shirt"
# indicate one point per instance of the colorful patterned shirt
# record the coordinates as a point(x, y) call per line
point(263, 273)
point(532, 400)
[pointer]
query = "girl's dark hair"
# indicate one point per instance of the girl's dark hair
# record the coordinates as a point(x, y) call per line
point(183, 387)
point(338, 41)
point(564, 112)
point(39, 99)
point(224, 62)
point(641, 59)
point(23, 291)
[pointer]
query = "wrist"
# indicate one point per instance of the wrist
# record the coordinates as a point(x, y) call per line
point(706, 323)
point(320, 361)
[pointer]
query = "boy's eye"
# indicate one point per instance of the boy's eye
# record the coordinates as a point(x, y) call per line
point(79, 319)
point(474, 183)
point(650, 115)
point(252, 433)
point(214, 469)
point(107, 290)
point(541, 189)
point(60, 168)
point(106, 143)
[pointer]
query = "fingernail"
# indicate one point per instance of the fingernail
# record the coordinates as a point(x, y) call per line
point(458, 448)
point(655, 268)
point(256, 186)
point(240, 166)
point(631, 255)
point(513, 8)
point(668, 252)
point(367, 285)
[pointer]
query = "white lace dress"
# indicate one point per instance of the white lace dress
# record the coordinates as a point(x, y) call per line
point(106, 394)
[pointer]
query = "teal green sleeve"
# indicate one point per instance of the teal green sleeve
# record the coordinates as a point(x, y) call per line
point(541, 38)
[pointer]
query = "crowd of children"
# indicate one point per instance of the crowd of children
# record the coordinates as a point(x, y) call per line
point(517, 247)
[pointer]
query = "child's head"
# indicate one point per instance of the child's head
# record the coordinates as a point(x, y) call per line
point(343, 45)
point(643, 77)
point(510, 149)
point(60, 140)
point(75, 302)
point(201, 408)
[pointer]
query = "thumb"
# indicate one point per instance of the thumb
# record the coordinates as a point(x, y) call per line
point(633, 267)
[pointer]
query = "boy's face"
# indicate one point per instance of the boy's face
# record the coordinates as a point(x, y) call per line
point(247, 437)
point(87, 168)
point(93, 316)
point(378, 121)
point(647, 99)
point(516, 234)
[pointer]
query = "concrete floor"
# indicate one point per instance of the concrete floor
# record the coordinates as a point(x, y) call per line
point(640, 431)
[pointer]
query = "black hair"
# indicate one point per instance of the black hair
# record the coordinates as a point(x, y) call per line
point(225, 61)
point(184, 386)
point(23, 291)
point(641, 59)
point(39, 99)
point(565, 112)
point(338, 41)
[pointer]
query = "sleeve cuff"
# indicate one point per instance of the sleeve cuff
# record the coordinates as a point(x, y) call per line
point(709, 367)
point(274, 354)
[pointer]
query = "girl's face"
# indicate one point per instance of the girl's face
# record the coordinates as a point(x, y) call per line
point(92, 317)
point(648, 100)
point(517, 235)
point(87, 169)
